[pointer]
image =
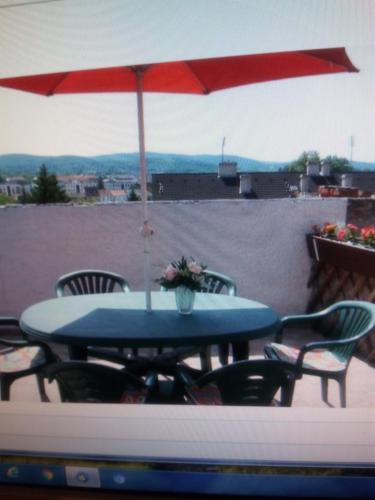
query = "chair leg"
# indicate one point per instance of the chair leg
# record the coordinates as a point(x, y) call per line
point(287, 392)
point(324, 381)
point(342, 386)
point(205, 357)
point(241, 350)
point(223, 354)
point(42, 388)
point(5, 388)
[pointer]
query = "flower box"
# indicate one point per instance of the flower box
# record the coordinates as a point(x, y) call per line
point(338, 191)
point(353, 258)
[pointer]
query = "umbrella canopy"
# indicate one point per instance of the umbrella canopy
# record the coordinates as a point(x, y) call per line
point(200, 76)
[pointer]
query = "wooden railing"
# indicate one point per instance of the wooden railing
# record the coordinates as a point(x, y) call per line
point(340, 271)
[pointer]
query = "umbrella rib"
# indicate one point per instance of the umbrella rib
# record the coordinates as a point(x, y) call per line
point(63, 77)
point(345, 67)
point(204, 88)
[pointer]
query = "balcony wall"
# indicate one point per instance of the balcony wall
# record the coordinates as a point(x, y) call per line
point(260, 243)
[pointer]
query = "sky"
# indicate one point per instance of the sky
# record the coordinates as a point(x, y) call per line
point(273, 121)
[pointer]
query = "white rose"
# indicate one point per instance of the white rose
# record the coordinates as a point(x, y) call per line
point(195, 268)
point(170, 273)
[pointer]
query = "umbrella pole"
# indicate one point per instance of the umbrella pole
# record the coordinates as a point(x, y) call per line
point(146, 230)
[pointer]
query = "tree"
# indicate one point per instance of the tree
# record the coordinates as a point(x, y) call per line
point(47, 189)
point(5, 199)
point(100, 183)
point(133, 196)
point(338, 165)
point(299, 165)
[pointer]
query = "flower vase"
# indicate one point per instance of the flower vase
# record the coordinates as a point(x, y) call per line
point(184, 299)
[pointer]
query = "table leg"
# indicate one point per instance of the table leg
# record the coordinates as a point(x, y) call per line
point(77, 352)
point(241, 350)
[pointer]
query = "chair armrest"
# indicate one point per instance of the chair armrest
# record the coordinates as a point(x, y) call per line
point(323, 344)
point(301, 319)
point(13, 323)
point(19, 344)
point(151, 380)
point(8, 321)
point(185, 375)
point(14, 343)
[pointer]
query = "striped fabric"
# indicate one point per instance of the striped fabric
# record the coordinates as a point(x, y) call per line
point(319, 359)
point(207, 395)
point(12, 360)
point(134, 396)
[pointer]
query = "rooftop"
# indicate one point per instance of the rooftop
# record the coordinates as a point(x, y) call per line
point(259, 243)
point(248, 185)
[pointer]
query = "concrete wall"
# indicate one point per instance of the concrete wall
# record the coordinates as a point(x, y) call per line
point(260, 243)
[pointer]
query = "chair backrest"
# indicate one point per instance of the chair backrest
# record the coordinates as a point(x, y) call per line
point(349, 320)
point(254, 382)
point(84, 382)
point(8, 324)
point(214, 282)
point(88, 281)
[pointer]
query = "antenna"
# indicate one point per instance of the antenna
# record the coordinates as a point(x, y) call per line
point(222, 150)
point(351, 147)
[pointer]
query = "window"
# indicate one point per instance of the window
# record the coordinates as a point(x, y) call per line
point(255, 240)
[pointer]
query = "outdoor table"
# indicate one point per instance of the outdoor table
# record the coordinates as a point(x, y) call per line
point(120, 320)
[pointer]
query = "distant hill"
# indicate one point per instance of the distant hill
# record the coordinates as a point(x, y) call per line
point(21, 164)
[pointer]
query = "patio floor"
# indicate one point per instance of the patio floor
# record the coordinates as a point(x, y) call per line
point(360, 380)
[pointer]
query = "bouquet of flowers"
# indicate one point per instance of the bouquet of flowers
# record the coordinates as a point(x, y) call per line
point(183, 272)
point(349, 233)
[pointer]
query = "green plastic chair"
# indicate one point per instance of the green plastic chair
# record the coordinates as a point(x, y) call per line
point(88, 281)
point(245, 383)
point(92, 281)
point(348, 323)
point(84, 382)
point(21, 358)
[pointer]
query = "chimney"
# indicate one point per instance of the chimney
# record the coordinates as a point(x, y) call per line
point(245, 184)
point(227, 169)
point(325, 169)
point(304, 183)
point(312, 168)
point(346, 180)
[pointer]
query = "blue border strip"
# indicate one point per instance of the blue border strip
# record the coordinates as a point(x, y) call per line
point(115, 478)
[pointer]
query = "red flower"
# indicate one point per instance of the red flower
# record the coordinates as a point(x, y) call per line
point(329, 228)
point(342, 235)
point(353, 228)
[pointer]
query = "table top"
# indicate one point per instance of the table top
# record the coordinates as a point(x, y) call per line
point(120, 320)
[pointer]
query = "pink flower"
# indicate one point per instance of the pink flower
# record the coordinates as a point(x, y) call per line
point(341, 234)
point(170, 273)
point(195, 268)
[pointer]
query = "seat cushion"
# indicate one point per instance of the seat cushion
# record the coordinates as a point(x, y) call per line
point(207, 395)
point(319, 359)
point(14, 360)
point(210, 395)
point(134, 396)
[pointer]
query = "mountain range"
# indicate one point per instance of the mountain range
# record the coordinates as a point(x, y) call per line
point(24, 164)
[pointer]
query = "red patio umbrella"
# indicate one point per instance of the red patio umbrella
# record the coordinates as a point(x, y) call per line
point(199, 76)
